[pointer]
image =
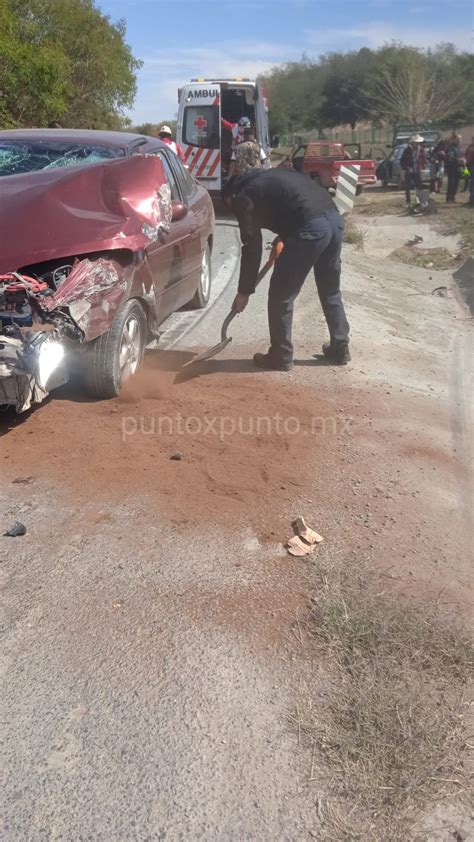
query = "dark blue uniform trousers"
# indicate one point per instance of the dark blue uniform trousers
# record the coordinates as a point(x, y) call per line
point(317, 245)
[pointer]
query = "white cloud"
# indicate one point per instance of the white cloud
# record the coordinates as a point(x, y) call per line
point(167, 70)
point(377, 33)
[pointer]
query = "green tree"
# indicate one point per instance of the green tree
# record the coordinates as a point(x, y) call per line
point(85, 75)
point(295, 96)
point(345, 88)
point(414, 85)
point(152, 129)
point(34, 78)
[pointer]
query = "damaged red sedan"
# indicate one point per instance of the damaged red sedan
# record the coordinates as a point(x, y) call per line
point(102, 236)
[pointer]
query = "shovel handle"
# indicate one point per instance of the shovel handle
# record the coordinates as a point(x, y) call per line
point(226, 323)
point(275, 253)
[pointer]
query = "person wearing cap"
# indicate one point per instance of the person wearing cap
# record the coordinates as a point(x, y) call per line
point(166, 135)
point(306, 220)
point(412, 163)
point(236, 129)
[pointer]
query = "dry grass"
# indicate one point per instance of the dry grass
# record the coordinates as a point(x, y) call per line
point(435, 258)
point(389, 727)
point(353, 234)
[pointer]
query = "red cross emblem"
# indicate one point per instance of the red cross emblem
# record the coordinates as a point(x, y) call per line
point(200, 123)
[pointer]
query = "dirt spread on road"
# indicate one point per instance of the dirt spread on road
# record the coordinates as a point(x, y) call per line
point(238, 447)
point(212, 447)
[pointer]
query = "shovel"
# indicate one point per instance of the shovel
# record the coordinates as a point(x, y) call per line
point(277, 249)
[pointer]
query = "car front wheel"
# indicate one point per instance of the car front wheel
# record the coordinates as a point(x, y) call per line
point(114, 357)
point(203, 292)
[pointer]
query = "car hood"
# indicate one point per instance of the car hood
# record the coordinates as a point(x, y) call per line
point(119, 204)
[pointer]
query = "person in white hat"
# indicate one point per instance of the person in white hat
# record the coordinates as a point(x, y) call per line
point(412, 163)
point(166, 135)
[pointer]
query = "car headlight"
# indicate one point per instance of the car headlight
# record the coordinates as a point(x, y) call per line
point(50, 357)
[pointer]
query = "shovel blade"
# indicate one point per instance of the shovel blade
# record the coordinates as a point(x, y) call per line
point(211, 352)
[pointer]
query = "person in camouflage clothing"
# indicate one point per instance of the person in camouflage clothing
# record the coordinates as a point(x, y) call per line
point(247, 155)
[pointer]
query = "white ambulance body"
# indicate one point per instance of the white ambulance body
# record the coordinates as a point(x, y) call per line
point(207, 109)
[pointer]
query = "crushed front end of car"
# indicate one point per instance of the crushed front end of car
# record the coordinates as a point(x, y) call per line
point(79, 238)
point(32, 343)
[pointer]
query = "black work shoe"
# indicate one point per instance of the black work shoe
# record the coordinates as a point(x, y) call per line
point(268, 363)
point(337, 352)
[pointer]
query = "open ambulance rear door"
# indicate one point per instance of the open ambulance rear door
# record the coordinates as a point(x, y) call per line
point(199, 131)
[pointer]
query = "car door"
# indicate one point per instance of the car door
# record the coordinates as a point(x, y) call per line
point(397, 175)
point(297, 158)
point(175, 257)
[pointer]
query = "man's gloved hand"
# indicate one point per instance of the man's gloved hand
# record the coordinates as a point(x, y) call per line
point(240, 302)
point(277, 248)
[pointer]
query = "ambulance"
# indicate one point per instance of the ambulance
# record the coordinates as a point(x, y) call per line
point(208, 114)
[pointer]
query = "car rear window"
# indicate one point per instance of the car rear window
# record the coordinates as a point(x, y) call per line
point(22, 156)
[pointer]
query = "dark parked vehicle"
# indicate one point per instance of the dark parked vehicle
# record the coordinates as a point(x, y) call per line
point(103, 235)
point(389, 170)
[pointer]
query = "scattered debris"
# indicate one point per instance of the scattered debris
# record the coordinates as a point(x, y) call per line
point(21, 480)
point(441, 291)
point(296, 546)
point(17, 529)
point(176, 457)
point(416, 239)
point(304, 540)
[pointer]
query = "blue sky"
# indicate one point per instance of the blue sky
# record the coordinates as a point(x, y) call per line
point(179, 39)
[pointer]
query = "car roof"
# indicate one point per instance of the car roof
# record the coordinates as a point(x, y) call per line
point(112, 139)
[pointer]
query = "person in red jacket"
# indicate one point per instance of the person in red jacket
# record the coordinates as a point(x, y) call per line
point(165, 134)
point(412, 163)
point(236, 129)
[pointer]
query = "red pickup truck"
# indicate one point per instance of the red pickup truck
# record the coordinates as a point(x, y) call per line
point(323, 159)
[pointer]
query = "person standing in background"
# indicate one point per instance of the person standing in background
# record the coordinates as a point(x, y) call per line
point(247, 155)
point(412, 163)
point(453, 164)
point(165, 134)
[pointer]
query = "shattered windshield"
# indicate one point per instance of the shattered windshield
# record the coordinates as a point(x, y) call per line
point(21, 156)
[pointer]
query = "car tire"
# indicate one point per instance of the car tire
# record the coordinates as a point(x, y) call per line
point(359, 189)
point(203, 292)
point(116, 355)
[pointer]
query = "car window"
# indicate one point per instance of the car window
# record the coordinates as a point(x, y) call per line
point(300, 152)
point(22, 156)
point(186, 181)
point(201, 126)
point(170, 176)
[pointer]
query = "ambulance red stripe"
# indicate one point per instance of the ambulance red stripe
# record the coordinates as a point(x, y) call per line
point(194, 160)
point(205, 161)
point(214, 165)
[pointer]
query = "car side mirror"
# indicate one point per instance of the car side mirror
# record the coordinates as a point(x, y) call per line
point(179, 211)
